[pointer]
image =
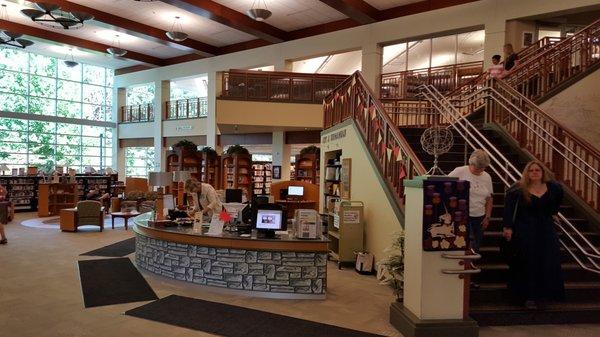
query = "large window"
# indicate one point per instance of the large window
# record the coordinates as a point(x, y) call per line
point(43, 85)
point(140, 94)
point(139, 161)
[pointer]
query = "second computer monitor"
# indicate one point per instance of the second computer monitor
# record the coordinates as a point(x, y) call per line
point(295, 191)
point(269, 219)
point(233, 195)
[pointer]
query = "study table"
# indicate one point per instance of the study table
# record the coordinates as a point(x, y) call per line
point(283, 267)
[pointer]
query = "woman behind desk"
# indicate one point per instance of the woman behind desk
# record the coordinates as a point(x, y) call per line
point(203, 195)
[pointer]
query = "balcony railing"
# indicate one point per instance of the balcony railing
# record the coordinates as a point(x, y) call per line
point(137, 113)
point(187, 108)
point(404, 84)
point(248, 85)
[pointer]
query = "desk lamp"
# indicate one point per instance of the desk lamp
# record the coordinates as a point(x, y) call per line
point(180, 177)
point(159, 179)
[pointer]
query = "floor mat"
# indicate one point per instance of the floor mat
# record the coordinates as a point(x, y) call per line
point(118, 249)
point(233, 321)
point(112, 281)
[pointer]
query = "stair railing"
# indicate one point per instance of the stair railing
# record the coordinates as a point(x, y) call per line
point(566, 59)
point(353, 99)
point(509, 174)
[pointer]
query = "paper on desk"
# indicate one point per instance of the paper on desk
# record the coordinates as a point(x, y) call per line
point(216, 225)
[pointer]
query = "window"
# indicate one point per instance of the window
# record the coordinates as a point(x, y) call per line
point(140, 94)
point(139, 161)
point(43, 85)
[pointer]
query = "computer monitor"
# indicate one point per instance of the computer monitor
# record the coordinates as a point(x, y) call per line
point(295, 191)
point(269, 218)
point(233, 195)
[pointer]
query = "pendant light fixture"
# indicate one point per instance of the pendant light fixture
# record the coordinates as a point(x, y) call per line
point(8, 38)
point(116, 50)
point(50, 15)
point(176, 33)
point(257, 13)
point(69, 60)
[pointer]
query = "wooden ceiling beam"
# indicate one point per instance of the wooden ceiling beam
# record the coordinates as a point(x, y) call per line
point(51, 35)
point(357, 10)
point(419, 7)
point(137, 29)
point(231, 18)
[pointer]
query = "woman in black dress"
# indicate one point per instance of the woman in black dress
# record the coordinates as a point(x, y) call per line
point(535, 272)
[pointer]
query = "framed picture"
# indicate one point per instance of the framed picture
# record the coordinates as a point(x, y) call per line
point(276, 172)
point(527, 39)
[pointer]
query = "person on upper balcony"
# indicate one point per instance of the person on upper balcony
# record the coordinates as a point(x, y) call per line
point(511, 59)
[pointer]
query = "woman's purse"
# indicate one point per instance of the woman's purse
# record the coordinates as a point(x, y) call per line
point(508, 249)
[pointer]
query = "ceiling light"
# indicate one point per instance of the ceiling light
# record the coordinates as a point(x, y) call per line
point(117, 50)
point(257, 13)
point(50, 15)
point(10, 38)
point(70, 63)
point(177, 35)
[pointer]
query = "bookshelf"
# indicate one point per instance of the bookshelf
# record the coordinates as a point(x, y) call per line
point(210, 169)
point(56, 196)
point(237, 173)
point(332, 181)
point(21, 191)
point(86, 182)
point(183, 159)
point(261, 178)
point(306, 168)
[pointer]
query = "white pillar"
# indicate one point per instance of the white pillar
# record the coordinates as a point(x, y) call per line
point(372, 58)
point(283, 65)
point(162, 94)
point(214, 88)
point(281, 155)
point(119, 100)
point(495, 37)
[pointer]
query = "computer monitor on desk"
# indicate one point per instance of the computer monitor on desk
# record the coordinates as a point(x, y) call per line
point(233, 195)
point(295, 192)
point(269, 218)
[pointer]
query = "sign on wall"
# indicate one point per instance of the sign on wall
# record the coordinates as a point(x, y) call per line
point(345, 178)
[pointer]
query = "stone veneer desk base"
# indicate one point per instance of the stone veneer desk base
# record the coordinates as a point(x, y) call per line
point(287, 268)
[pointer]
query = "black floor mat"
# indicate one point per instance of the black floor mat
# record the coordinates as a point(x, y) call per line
point(112, 281)
point(118, 249)
point(232, 321)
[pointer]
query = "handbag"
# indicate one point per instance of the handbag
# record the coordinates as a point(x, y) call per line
point(508, 249)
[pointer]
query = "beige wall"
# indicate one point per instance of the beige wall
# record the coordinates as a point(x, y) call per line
point(269, 114)
point(184, 127)
point(578, 108)
point(381, 221)
point(514, 33)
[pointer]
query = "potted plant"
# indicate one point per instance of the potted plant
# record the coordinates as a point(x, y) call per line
point(311, 150)
point(209, 151)
point(391, 269)
point(237, 149)
point(185, 146)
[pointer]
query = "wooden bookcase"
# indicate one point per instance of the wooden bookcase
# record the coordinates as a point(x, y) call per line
point(237, 173)
point(210, 170)
point(182, 159)
point(86, 182)
point(55, 196)
point(21, 191)
point(332, 182)
point(261, 178)
point(307, 168)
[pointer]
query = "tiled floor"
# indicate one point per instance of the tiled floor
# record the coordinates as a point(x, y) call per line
point(40, 294)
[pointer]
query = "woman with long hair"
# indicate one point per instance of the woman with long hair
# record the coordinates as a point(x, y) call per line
point(529, 210)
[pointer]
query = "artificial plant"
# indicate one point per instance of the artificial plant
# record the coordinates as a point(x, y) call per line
point(237, 149)
point(186, 144)
point(391, 269)
point(311, 150)
point(209, 151)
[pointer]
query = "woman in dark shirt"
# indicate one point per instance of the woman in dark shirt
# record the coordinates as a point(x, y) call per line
point(511, 59)
point(535, 272)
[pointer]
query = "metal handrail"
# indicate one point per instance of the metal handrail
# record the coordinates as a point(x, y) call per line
point(443, 106)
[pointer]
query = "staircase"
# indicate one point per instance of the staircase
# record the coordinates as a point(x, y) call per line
point(491, 303)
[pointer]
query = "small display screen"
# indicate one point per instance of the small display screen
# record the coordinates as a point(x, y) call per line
point(296, 190)
point(269, 219)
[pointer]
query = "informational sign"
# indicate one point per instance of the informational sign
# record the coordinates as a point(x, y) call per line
point(345, 178)
point(216, 225)
point(351, 217)
point(445, 214)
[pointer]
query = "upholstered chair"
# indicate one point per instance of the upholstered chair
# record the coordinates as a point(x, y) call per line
point(89, 212)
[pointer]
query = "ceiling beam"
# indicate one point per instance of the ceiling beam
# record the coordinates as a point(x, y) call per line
point(231, 18)
point(357, 10)
point(51, 35)
point(419, 7)
point(137, 29)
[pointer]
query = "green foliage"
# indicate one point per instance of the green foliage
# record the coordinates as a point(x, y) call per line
point(393, 266)
point(186, 144)
point(209, 151)
point(311, 150)
point(237, 149)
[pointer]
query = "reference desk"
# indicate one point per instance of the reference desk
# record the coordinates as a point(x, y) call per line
point(284, 267)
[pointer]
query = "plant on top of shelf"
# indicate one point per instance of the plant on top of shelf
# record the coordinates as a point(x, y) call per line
point(237, 149)
point(185, 144)
point(311, 150)
point(209, 151)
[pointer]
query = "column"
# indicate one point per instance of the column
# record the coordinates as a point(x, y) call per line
point(371, 66)
point(162, 92)
point(119, 100)
point(284, 65)
point(281, 154)
point(215, 81)
point(495, 37)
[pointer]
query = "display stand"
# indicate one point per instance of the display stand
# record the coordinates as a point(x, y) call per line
point(435, 287)
point(347, 232)
point(237, 173)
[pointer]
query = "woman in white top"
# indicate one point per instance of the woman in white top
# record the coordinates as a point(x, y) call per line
point(480, 194)
point(203, 195)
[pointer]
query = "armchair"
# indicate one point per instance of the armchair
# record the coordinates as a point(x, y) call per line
point(89, 212)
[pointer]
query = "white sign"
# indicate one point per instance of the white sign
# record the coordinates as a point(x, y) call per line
point(216, 225)
point(184, 127)
point(351, 217)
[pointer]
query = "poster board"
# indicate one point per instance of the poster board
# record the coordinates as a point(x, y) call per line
point(345, 177)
